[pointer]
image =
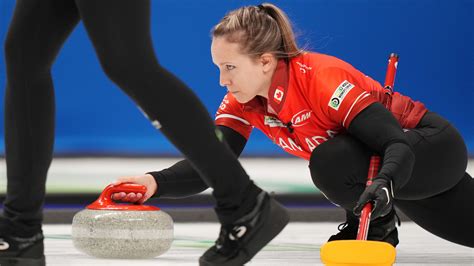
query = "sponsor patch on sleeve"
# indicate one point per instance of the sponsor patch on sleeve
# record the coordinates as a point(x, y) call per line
point(339, 94)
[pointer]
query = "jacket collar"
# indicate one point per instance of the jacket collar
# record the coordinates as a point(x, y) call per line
point(276, 93)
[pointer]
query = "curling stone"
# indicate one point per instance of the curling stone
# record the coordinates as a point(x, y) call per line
point(107, 229)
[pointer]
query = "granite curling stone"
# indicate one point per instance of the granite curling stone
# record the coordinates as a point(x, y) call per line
point(106, 229)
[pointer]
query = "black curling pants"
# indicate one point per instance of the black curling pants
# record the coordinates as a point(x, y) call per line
point(120, 33)
point(439, 195)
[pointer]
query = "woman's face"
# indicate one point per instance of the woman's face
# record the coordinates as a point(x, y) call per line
point(243, 76)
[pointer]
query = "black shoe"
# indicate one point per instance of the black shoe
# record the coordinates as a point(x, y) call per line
point(385, 229)
point(348, 229)
point(381, 229)
point(21, 251)
point(240, 241)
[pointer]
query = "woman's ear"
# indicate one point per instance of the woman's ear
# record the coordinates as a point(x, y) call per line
point(268, 62)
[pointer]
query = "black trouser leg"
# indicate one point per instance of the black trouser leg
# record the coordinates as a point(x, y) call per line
point(120, 33)
point(36, 33)
point(449, 215)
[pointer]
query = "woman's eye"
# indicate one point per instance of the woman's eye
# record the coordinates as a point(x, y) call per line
point(229, 67)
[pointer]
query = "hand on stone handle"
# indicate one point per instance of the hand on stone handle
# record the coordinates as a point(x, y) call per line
point(147, 180)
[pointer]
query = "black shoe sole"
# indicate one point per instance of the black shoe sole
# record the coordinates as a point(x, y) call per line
point(277, 219)
point(22, 262)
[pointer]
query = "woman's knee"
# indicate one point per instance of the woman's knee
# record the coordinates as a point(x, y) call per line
point(342, 155)
point(13, 52)
point(128, 69)
point(339, 168)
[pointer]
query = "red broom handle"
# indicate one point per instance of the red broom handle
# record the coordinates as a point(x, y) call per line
point(375, 160)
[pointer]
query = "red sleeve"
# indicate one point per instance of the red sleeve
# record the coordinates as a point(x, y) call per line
point(340, 94)
point(230, 114)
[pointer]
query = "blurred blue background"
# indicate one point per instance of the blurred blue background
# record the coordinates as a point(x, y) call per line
point(432, 37)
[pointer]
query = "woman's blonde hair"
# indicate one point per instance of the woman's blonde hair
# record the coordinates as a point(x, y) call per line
point(259, 29)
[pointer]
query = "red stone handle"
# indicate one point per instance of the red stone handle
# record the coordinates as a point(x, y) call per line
point(105, 202)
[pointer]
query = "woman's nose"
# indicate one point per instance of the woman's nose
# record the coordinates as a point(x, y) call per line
point(224, 81)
